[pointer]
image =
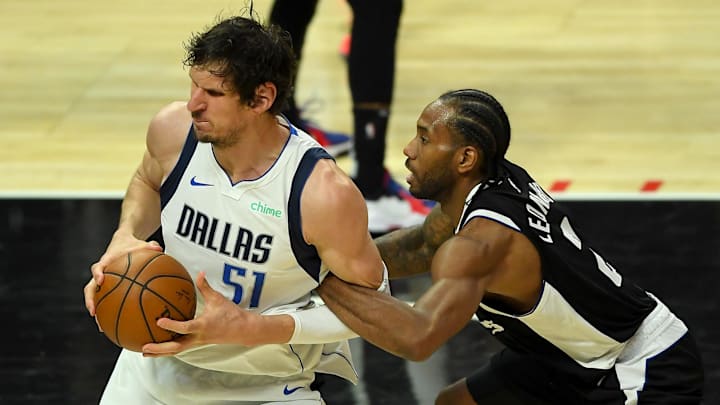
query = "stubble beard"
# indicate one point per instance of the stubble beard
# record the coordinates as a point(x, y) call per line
point(220, 142)
point(427, 189)
point(432, 186)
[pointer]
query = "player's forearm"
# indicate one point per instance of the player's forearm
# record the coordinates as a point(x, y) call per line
point(305, 326)
point(140, 213)
point(378, 318)
point(268, 329)
point(317, 323)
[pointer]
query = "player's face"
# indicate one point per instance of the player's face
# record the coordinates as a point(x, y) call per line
point(217, 111)
point(430, 155)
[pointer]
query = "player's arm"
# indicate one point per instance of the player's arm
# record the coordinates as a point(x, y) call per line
point(140, 209)
point(334, 217)
point(334, 220)
point(462, 269)
point(140, 212)
point(409, 251)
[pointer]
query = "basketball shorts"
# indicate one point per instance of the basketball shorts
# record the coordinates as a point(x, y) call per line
point(167, 380)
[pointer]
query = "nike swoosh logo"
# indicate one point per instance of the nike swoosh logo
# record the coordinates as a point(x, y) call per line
point(287, 391)
point(194, 182)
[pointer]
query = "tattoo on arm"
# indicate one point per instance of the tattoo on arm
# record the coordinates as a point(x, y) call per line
point(409, 251)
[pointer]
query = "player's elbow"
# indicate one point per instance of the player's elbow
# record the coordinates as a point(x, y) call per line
point(418, 349)
point(370, 278)
point(375, 280)
point(417, 353)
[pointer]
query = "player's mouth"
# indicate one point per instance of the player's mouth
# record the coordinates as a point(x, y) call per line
point(201, 125)
point(410, 177)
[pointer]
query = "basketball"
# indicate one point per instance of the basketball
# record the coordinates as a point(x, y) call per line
point(140, 288)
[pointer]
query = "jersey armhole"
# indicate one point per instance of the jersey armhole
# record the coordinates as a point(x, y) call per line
point(167, 189)
point(306, 255)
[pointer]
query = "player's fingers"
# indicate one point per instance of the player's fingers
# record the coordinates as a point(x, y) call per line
point(182, 327)
point(154, 245)
point(154, 355)
point(162, 349)
point(97, 272)
point(204, 287)
point(89, 293)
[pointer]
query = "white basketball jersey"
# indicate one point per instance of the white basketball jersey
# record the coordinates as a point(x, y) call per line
point(247, 237)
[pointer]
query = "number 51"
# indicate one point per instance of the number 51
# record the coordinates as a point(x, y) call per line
point(230, 272)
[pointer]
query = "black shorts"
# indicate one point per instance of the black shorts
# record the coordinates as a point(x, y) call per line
point(674, 376)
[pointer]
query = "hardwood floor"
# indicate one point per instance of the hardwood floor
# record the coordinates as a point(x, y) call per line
point(605, 96)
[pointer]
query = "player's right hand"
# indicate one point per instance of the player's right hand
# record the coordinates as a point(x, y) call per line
point(120, 245)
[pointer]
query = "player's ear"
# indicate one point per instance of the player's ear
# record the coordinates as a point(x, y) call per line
point(265, 95)
point(468, 158)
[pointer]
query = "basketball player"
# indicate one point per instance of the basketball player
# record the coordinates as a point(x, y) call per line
point(257, 212)
point(576, 330)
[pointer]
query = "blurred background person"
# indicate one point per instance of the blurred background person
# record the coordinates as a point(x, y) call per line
point(371, 73)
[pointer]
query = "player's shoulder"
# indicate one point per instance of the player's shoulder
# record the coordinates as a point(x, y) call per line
point(328, 187)
point(512, 185)
point(168, 130)
point(328, 178)
point(331, 203)
point(502, 192)
point(503, 200)
point(173, 116)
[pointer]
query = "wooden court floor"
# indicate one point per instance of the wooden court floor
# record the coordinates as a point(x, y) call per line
point(604, 97)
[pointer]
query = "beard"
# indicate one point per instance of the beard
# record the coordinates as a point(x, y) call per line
point(218, 141)
point(202, 137)
point(432, 185)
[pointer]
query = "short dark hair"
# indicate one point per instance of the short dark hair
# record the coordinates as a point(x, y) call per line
point(481, 120)
point(248, 54)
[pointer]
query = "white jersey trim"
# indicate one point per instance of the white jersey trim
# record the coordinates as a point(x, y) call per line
point(497, 217)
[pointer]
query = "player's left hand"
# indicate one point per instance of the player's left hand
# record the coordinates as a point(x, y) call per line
point(221, 322)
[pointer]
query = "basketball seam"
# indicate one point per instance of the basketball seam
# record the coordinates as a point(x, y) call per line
point(133, 282)
point(162, 298)
point(122, 302)
point(119, 275)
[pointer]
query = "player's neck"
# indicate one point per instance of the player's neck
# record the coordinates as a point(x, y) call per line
point(454, 203)
point(254, 153)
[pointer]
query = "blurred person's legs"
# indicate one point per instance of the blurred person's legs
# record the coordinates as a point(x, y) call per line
point(294, 16)
point(371, 71)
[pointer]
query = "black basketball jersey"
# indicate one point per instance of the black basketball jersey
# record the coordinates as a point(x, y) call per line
point(587, 311)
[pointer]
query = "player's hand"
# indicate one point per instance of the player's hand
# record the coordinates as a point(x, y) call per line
point(221, 322)
point(120, 245)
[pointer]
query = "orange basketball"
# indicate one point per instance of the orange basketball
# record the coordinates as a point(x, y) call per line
point(138, 289)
